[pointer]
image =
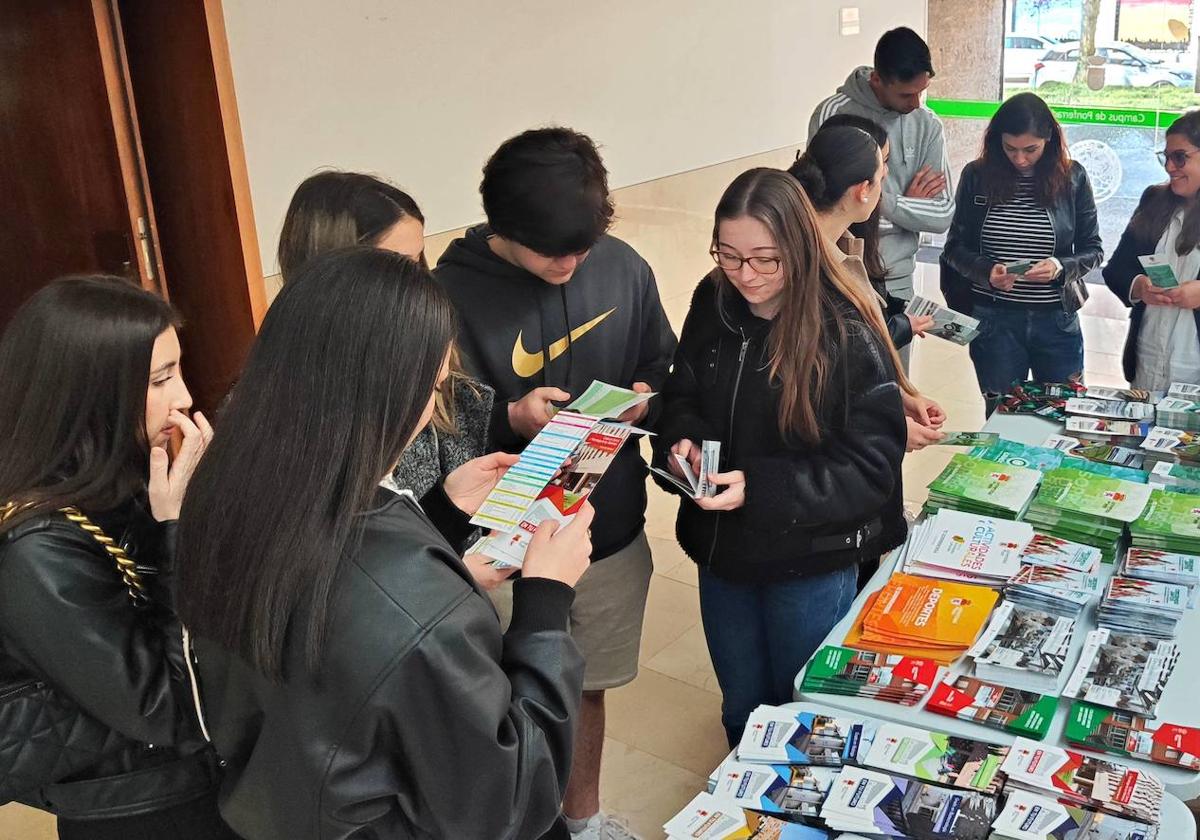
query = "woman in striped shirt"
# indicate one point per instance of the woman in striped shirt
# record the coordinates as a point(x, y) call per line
point(1023, 236)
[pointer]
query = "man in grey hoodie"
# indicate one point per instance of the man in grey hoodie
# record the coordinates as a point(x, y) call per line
point(917, 195)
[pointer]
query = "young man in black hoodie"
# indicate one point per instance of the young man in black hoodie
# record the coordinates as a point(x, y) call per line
point(548, 302)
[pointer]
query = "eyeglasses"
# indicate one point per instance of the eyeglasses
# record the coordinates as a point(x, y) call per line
point(1178, 157)
point(732, 262)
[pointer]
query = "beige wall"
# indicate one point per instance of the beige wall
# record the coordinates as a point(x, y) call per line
point(421, 92)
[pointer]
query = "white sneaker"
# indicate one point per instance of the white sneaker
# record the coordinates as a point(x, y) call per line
point(603, 826)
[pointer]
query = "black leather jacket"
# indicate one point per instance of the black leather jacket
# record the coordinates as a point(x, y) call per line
point(65, 614)
point(965, 270)
point(422, 721)
point(802, 502)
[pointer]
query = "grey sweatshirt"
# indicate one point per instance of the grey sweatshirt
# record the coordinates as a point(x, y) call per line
point(916, 140)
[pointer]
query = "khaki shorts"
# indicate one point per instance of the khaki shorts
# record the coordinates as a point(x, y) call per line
point(606, 618)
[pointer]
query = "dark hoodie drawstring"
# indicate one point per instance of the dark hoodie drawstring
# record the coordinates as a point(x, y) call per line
point(562, 290)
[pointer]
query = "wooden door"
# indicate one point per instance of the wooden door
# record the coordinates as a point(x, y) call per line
point(189, 133)
point(71, 186)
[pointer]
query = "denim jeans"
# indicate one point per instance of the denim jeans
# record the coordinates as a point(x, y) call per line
point(1013, 341)
point(760, 636)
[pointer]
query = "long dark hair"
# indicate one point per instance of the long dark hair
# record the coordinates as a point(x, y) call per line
point(337, 209)
point(74, 369)
point(334, 388)
point(1159, 204)
point(822, 169)
point(810, 327)
point(1025, 113)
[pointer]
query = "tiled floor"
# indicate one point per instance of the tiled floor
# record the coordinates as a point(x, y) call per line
point(664, 732)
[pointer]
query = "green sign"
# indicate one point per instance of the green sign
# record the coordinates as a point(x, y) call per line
point(1070, 114)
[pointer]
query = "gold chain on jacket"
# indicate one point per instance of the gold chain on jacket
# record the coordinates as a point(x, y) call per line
point(125, 564)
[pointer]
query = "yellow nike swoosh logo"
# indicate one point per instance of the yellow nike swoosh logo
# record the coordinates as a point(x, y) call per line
point(526, 364)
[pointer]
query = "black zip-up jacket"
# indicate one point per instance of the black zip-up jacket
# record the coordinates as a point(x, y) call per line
point(519, 333)
point(66, 616)
point(965, 271)
point(1123, 267)
point(809, 509)
point(422, 720)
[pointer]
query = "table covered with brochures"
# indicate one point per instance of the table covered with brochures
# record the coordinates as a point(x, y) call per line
point(1179, 702)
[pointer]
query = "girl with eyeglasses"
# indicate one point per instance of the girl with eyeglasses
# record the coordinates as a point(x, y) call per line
point(785, 359)
point(1163, 344)
point(1024, 234)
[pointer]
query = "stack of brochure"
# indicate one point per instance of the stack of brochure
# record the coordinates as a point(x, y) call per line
point(1123, 671)
point(992, 704)
point(1178, 413)
point(1100, 728)
point(1143, 606)
point(1179, 478)
point(1045, 550)
point(938, 757)
point(1032, 816)
point(1169, 522)
point(1103, 392)
point(875, 803)
point(1107, 453)
point(1084, 780)
point(1110, 409)
point(984, 487)
point(1012, 453)
point(962, 546)
point(1084, 507)
point(1161, 566)
point(791, 790)
point(709, 817)
point(1100, 430)
point(1024, 648)
point(1043, 399)
point(864, 673)
point(920, 617)
point(779, 735)
point(1053, 589)
point(1166, 444)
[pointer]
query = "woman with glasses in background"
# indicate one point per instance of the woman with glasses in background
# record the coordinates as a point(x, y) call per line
point(1163, 345)
point(1024, 234)
point(785, 359)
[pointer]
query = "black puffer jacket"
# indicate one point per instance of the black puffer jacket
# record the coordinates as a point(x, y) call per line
point(809, 509)
point(65, 615)
point(422, 721)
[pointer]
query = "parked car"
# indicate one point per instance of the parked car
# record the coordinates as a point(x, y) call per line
point(1125, 65)
point(1021, 52)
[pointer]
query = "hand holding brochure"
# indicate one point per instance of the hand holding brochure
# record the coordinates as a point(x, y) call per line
point(604, 400)
point(696, 486)
point(954, 327)
point(1159, 271)
point(552, 480)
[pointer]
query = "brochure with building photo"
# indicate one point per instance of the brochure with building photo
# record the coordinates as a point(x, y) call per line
point(851, 672)
point(1024, 648)
point(992, 704)
point(1084, 779)
point(870, 802)
point(1032, 816)
point(1123, 671)
point(952, 326)
point(794, 790)
point(1133, 736)
point(937, 757)
point(1045, 550)
point(778, 735)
